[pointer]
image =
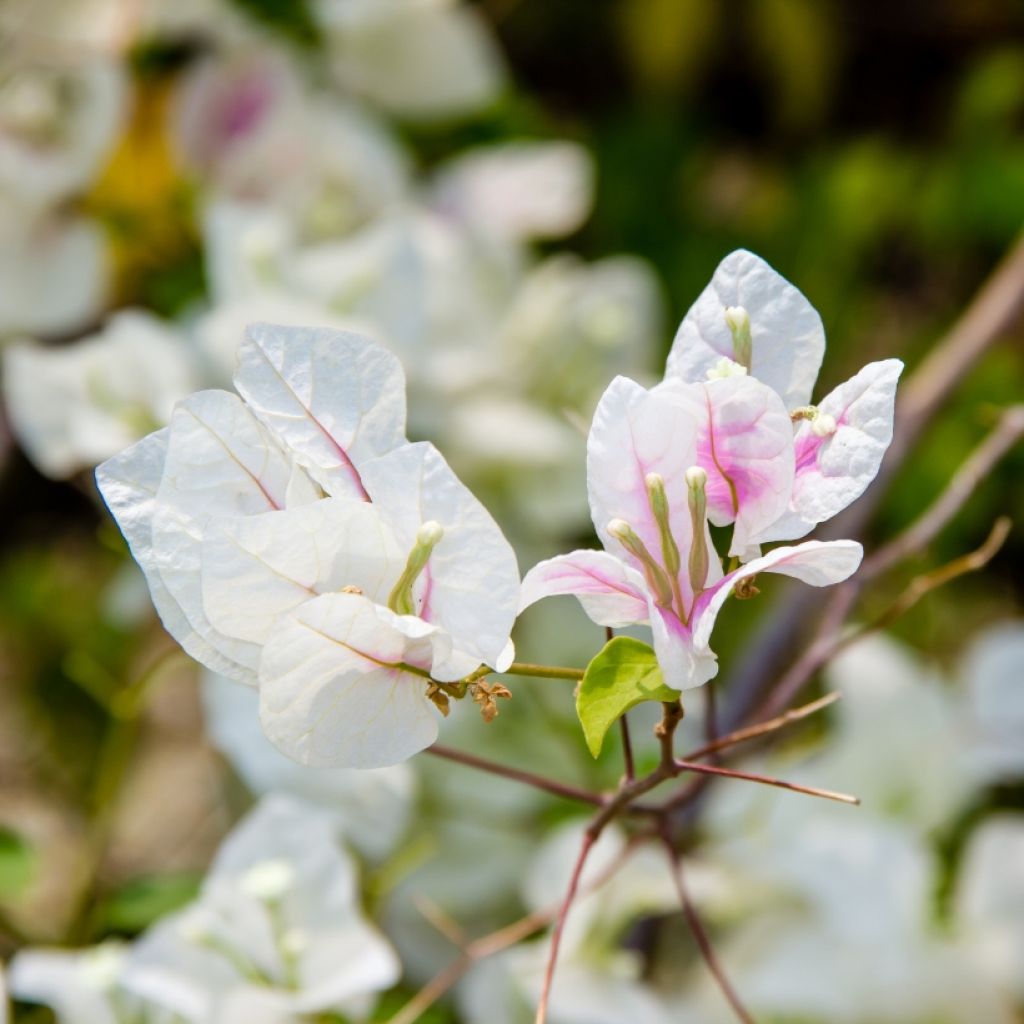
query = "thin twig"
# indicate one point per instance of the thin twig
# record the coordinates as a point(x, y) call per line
point(830, 643)
point(627, 750)
point(665, 730)
point(518, 775)
point(752, 732)
point(523, 668)
point(765, 780)
point(978, 465)
point(589, 838)
point(700, 934)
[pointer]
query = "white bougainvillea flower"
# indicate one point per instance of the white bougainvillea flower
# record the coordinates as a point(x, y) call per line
point(74, 406)
point(395, 575)
point(414, 59)
point(649, 502)
point(276, 934)
point(371, 809)
point(751, 315)
point(80, 986)
point(58, 120)
point(839, 449)
point(519, 190)
point(218, 460)
point(53, 270)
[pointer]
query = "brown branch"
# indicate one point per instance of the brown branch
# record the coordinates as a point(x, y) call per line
point(589, 838)
point(752, 732)
point(518, 775)
point(829, 643)
point(627, 750)
point(765, 780)
point(700, 934)
point(1007, 432)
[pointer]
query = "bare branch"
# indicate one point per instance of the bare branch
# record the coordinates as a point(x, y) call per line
point(518, 775)
point(752, 732)
point(700, 934)
point(765, 780)
point(589, 838)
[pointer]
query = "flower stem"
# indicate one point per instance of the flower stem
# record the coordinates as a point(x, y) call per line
point(524, 668)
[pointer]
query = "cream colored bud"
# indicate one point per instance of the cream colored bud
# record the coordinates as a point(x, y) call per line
point(696, 478)
point(620, 529)
point(268, 880)
point(726, 367)
point(430, 533)
point(294, 942)
point(737, 318)
point(823, 425)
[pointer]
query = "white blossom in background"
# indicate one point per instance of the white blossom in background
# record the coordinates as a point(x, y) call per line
point(82, 986)
point(599, 979)
point(993, 669)
point(372, 809)
point(276, 934)
point(419, 59)
point(989, 902)
point(831, 896)
point(53, 271)
point(58, 122)
point(76, 404)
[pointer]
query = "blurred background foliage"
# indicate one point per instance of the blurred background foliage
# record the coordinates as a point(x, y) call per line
point(872, 153)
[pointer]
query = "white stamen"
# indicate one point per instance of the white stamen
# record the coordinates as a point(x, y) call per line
point(268, 880)
point(696, 478)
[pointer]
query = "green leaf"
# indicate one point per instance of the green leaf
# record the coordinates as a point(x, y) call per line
point(17, 864)
point(620, 677)
point(138, 904)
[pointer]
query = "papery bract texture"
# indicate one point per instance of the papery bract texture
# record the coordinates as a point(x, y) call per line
point(788, 339)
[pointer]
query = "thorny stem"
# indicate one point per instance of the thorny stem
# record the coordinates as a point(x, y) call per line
point(699, 933)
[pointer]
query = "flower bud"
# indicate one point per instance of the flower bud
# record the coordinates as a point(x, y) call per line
point(823, 425)
point(428, 536)
point(268, 880)
point(655, 575)
point(697, 563)
point(726, 367)
point(738, 321)
point(658, 500)
point(696, 478)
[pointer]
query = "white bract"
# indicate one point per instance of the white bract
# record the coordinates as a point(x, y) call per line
point(295, 539)
point(276, 934)
point(750, 319)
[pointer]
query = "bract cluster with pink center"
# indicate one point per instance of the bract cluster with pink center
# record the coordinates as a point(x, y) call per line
point(726, 438)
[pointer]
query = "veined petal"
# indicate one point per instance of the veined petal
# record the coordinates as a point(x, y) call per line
point(220, 462)
point(745, 443)
point(257, 568)
point(788, 336)
point(470, 586)
point(833, 470)
point(129, 483)
point(334, 398)
point(342, 684)
point(682, 666)
point(611, 593)
point(819, 563)
point(636, 432)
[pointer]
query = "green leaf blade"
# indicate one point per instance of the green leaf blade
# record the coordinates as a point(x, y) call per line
point(623, 674)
